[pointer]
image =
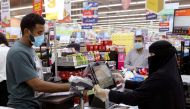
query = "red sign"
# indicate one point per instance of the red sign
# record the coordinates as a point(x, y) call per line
point(164, 24)
point(88, 12)
point(37, 6)
point(182, 12)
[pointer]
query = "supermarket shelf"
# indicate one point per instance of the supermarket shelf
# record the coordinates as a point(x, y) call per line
point(82, 66)
point(63, 68)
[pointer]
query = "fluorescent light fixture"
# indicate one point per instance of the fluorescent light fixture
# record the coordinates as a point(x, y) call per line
point(19, 16)
point(21, 8)
point(125, 24)
point(103, 6)
point(127, 19)
point(109, 12)
point(132, 15)
point(135, 21)
point(121, 11)
point(130, 26)
point(113, 5)
point(182, 6)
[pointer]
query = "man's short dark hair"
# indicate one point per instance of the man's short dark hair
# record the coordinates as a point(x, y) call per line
point(3, 39)
point(140, 36)
point(29, 21)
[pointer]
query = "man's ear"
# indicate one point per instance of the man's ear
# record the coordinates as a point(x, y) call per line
point(26, 32)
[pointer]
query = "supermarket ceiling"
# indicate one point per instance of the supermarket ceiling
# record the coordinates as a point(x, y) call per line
point(110, 11)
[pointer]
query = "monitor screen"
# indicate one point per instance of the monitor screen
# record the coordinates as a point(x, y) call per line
point(104, 76)
point(182, 22)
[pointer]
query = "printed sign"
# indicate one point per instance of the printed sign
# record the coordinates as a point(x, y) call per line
point(86, 26)
point(155, 5)
point(151, 16)
point(90, 20)
point(89, 5)
point(163, 29)
point(5, 13)
point(54, 9)
point(164, 24)
point(37, 7)
point(88, 12)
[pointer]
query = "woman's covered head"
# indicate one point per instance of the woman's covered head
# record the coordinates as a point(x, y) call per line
point(161, 53)
point(162, 48)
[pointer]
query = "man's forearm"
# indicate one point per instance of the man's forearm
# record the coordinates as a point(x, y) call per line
point(49, 87)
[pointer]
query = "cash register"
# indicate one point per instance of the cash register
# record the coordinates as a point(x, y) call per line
point(102, 75)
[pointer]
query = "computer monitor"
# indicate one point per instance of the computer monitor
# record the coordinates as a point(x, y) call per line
point(181, 21)
point(103, 76)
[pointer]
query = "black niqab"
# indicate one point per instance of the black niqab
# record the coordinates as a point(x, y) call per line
point(163, 51)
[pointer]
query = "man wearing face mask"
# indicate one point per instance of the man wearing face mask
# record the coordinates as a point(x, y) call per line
point(22, 76)
point(137, 57)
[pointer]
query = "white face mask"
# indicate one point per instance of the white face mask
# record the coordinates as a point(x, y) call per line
point(138, 45)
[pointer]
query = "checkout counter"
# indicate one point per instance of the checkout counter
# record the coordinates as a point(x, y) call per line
point(57, 101)
point(67, 101)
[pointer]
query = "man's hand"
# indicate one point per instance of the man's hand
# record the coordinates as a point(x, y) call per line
point(100, 93)
point(81, 82)
point(118, 77)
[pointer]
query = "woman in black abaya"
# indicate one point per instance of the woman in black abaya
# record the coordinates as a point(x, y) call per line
point(161, 90)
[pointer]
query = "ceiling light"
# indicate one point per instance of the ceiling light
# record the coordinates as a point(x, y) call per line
point(132, 15)
point(127, 22)
point(124, 24)
point(109, 12)
point(121, 11)
point(127, 19)
point(182, 6)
